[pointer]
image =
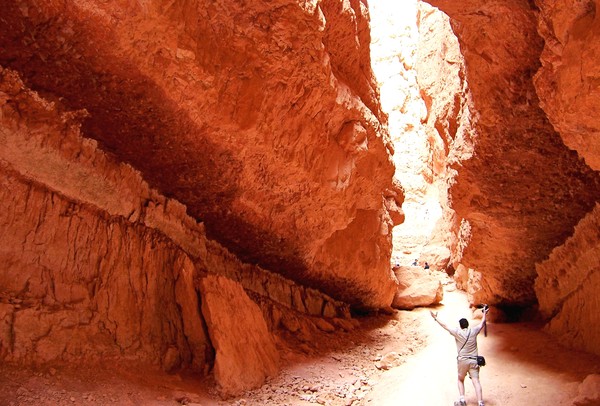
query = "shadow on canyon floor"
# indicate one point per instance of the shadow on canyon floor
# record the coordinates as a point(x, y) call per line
point(525, 366)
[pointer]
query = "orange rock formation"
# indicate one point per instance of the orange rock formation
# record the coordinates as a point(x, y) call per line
point(164, 162)
point(146, 147)
point(524, 190)
point(533, 175)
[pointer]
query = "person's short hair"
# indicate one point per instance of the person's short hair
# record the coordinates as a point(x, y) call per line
point(464, 323)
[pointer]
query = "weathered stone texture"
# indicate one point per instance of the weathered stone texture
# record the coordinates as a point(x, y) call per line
point(523, 190)
point(286, 293)
point(450, 125)
point(261, 117)
point(97, 264)
point(76, 284)
point(421, 71)
point(416, 287)
point(568, 81)
point(245, 350)
point(567, 286)
point(82, 276)
point(588, 391)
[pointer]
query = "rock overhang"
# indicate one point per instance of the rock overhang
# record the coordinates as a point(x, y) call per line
point(270, 134)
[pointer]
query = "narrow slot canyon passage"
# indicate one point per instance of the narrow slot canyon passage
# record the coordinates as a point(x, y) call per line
point(260, 203)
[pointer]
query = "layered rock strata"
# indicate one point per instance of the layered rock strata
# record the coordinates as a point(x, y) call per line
point(567, 85)
point(96, 264)
point(262, 118)
point(567, 286)
point(523, 190)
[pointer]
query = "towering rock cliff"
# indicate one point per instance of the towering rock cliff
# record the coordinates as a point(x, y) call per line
point(172, 169)
point(424, 89)
point(163, 163)
point(524, 190)
point(262, 118)
point(530, 192)
point(567, 84)
point(98, 265)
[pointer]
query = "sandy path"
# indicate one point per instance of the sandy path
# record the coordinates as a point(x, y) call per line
point(428, 377)
point(524, 366)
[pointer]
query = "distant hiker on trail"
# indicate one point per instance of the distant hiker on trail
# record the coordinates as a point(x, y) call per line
point(415, 263)
point(426, 265)
point(466, 344)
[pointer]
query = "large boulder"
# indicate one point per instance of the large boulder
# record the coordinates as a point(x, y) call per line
point(588, 391)
point(416, 287)
point(245, 349)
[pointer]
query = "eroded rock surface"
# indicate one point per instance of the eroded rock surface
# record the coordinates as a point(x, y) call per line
point(568, 80)
point(262, 118)
point(567, 285)
point(99, 265)
point(524, 190)
point(245, 352)
point(420, 71)
point(83, 275)
point(416, 287)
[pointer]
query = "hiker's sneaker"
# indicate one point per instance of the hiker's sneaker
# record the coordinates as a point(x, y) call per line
point(481, 404)
point(460, 403)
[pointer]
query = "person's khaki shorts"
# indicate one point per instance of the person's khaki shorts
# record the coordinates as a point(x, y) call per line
point(468, 365)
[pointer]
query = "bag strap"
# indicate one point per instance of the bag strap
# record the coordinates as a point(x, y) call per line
point(465, 343)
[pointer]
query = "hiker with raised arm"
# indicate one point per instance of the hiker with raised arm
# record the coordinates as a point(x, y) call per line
point(468, 359)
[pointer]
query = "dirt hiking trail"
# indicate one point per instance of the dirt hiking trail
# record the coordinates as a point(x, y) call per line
point(524, 365)
point(404, 358)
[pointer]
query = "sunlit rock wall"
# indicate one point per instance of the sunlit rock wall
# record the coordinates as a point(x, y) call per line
point(568, 81)
point(94, 263)
point(450, 125)
point(524, 190)
point(261, 117)
point(420, 72)
point(394, 37)
point(567, 286)
point(97, 265)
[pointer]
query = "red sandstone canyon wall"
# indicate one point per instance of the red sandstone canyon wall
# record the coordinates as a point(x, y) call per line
point(97, 265)
point(87, 269)
point(261, 118)
point(567, 286)
point(568, 79)
point(421, 73)
point(524, 190)
point(450, 125)
point(567, 84)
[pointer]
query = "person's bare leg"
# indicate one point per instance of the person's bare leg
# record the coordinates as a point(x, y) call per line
point(461, 386)
point(478, 391)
